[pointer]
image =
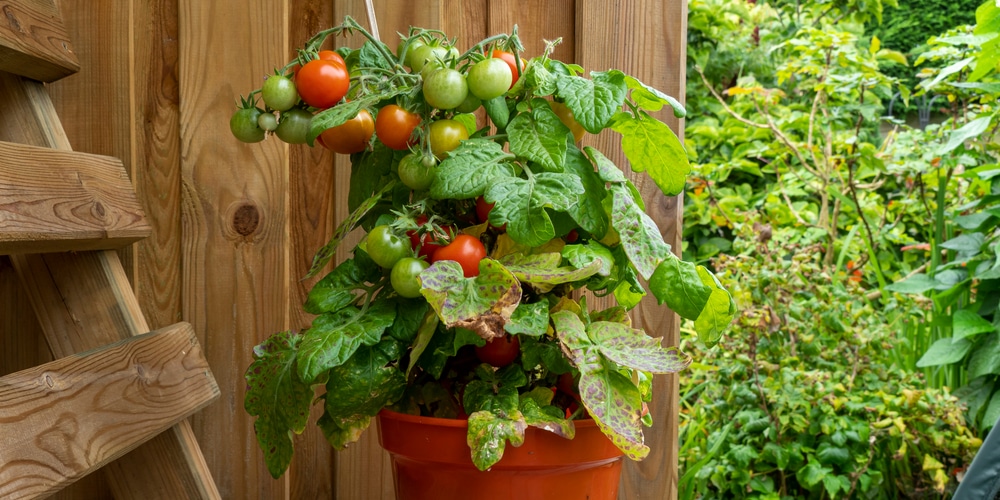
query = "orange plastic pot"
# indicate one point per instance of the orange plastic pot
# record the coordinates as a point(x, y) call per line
point(431, 461)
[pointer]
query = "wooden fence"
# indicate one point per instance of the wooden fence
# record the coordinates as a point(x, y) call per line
point(235, 226)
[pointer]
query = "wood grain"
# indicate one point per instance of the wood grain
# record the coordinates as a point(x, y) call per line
point(33, 41)
point(235, 248)
point(66, 418)
point(53, 201)
point(613, 35)
point(31, 119)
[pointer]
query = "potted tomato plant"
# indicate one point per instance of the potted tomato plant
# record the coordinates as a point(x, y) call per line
point(463, 306)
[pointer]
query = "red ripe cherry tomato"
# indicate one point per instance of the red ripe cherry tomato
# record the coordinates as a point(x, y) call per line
point(464, 249)
point(394, 127)
point(322, 83)
point(511, 62)
point(425, 244)
point(499, 352)
point(324, 55)
point(483, 209)
point(351, 136)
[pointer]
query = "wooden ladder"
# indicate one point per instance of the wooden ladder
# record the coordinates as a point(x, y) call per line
point(115, 388)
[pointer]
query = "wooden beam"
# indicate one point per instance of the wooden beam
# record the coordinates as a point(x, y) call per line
point(55, 201)
point(33, 41)
point(170, 465)
point(64, 419)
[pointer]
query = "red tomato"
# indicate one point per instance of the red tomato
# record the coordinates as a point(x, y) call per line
point(427, 243)
point(324, 55)
point(322, 83)
point(511, 62)
point(483, 209)
point(350, 137)
point(499, 352)
point(464, 249)
point(394, 127)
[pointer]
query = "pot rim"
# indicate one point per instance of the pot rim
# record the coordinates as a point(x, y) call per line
point(455, 422)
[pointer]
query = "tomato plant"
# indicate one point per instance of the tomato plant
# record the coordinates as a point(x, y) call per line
point(414, 172)
point(446, 135)
point(244, 126)
point(464, 249)
point(279, 92)
point(489, 78)
point(445, 88)
point(426, 241)
point(322, 83)
point(385, 247)
point(293, 127)
point(507, 57)
point(394, 126)
point(404, 276)
point(566, 116)
point(423, 54)
point(499, 352)
point(350, 137)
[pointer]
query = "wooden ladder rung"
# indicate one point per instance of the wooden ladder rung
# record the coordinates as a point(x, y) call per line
point(61, 420)
point(34, 42)
point(56, 201)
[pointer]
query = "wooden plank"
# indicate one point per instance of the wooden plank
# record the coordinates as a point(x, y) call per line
point(235, 248)
point(31, 119)
point(33, 41)
point(53, 201)
point(607, 34)
point(537, 22)
point(67, 418)
point(310, 224)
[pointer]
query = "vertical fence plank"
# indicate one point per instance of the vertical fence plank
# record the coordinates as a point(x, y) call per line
point(310, 220)
point(608, 35)
point(537, 22)
point(235, 276)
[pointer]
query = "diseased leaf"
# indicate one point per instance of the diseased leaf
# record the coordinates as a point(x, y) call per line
point(359, 388)
point(482, 304)
point(529, 319)
point(640, 237)
point(488, 436)
point(634, 349)
point(544, 272)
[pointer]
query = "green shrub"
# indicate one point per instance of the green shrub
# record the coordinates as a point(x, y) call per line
point(800, 400)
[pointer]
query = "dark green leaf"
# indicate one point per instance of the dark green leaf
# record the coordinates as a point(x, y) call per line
point(522, 204)
point(945, 352)
point(470, 169)
point(985, 359)
point(334, 337)
point(589, 211)
point(966, 323)
point(339, 288)
point(539, 136)
point(678, 284)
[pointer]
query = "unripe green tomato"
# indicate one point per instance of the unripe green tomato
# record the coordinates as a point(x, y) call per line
point(445, 89)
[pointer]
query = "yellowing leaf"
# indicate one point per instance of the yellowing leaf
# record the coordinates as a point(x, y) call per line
point(931, 463)
point(876, 44)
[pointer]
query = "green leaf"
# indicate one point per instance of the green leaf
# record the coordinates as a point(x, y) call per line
point(363, 385)
point(718, 313)
point(344, 431)
point(969, 131)
point(635, 349)
point(278, 397)
point(811, 474)
point(424, 334)
point(679, 285)
point(539, 136)
point(444, 344)
point(543, 271)
point(606, 169)
point(651, 99)
point(529, 319)
point(323, 255)
point(652, 147)
point(916, 284)
point(985, 359)
point(970, 243)
point(992, 415)
point(742, 455)
point(593, 102)
point(945, 352)
point(334, 337)
point(536, 416)
point(588, 211)
point(488, 435)
point(611, 398)
point(833, 455)
point(640, 236)
point(833, 484)
point(470, 169)
point(340, 288)
point(482, 304)
point(965, 323)
point(522, 204)
point(777, 455)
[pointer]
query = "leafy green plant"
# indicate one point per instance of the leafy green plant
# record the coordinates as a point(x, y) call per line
point(486, 325)
point(811, 408)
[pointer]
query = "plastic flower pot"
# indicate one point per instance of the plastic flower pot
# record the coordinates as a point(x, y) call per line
point(431, 461)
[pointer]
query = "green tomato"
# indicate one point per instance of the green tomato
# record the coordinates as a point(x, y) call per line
point(445, 89)
point(489, 78)
point(385, 248)
point(470, 104)
point(293, 127)
point(279, 93)
point(244, 126)
point(267, 121)
point(404, 276)
point(407, 58)
point(446, 135)
point(422, 54)
point(414, 173)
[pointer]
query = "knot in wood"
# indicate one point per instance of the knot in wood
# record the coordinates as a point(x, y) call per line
point(246, 219)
